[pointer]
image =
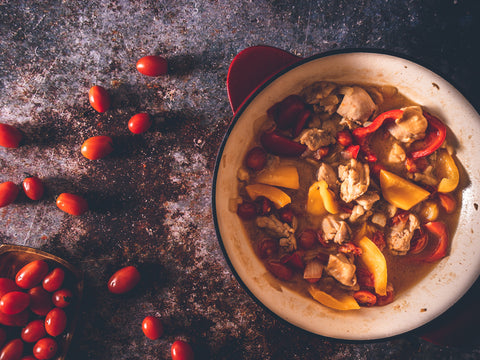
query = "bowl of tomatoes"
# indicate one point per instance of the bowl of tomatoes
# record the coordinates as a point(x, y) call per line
point(330, 215)
point(40, 298)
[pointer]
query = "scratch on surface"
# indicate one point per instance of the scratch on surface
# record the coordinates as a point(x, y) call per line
point(307, 28)
point(27, 235)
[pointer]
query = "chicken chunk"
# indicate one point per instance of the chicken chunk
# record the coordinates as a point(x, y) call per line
point(411, 126)
point(357, 213)
point(357, 106)
point(400, 234)
point(340, 268)
point(355, 179)
point(368, 199)
point(316, 138)
point(274, 226)
point(396, 154)
point(336, 230)
point(325, 172)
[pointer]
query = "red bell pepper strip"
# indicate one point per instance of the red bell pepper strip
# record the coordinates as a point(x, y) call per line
point(434, 138)
point(438, 242)
point(362, 134)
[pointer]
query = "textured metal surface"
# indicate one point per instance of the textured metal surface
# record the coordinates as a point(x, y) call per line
point(150, 200)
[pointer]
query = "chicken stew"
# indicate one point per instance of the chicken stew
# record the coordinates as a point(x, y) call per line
point(349, 193)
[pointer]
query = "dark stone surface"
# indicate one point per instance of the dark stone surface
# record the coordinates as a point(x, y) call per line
point(150, 200)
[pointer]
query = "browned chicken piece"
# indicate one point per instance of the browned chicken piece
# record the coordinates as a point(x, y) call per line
point(274, 226)
point(379, 219)
point(325, 172)
point(368, 199)
point(316, 138)
point(399, 236)
point(356, 214)
point(340, 268)
point(411, 126)
point(355, 179)
point(396, 154)
point(357, 106)
point(336, 230)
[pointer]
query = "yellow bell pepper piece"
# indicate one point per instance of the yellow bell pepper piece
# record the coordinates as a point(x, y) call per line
point(343, 302)
point(375, 263)
point(321, 199)
point(275, 195)
point(447, 170)
point(283, 176)
point(400, 192)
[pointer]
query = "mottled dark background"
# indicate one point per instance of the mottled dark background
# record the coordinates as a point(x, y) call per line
point(151, 199)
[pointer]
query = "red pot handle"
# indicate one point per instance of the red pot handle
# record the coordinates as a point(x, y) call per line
point(251, 68)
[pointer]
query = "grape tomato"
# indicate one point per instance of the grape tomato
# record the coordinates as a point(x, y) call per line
point(181, 350)
point(33, 187)
point(139, 123)
point(10, 136)
point(40, 301)
point(55, 322)
point(31, 274)
point(152, 327)
point(14, 302)
point(72, 204)
point(12, 350)
point(7, 285)
point(152, 65)
point(45, 349)
point(97, 147)
point(99, 98)
point(34, 331)
point(62, 298)
point(124, 280)
point(8, 193)
point(54, 280)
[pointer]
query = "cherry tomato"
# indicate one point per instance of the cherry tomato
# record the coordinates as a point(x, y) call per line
point(12, 351)
point(139, 123)
point(54, 280)
point(10, 136)
point(124, 280)
point(45, 349)
point(34, 331)
point(152, 65)
point(7, 285)
point(97, 147)
point(8, 193)
point(3, 337)
point(40, 301)
point(99, 98)
point(152, 327)
point(33, 187)
point(365, 298)
point(181, 350)
point(31, 274)
point(62, 298)
point(17, 320)
point(55, 322)
point(14, 302)
point(72, 204)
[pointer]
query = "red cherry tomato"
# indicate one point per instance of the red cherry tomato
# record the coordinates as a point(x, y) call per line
point(181, 350)
point(12, 351)
point(33, 187)
point(14, 302)
point(54, 280)
point(45, 349)
point(139, 123)
point(17, 320)
point(152, 327)
point(72, 204)
point(10, 136)
point(62, 298)
point(34, 331)
point(97, 147)
point(7, 285)
point(152, 65)
point(124, 280)
point(99, 98)
point(55, 322)
point(31, 274)
point(40, 301)
point(3, 337)
point(8, 193)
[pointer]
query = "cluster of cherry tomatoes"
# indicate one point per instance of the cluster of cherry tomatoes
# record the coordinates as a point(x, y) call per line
point(14, 303)
point(36, 301)
point(125, 280)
